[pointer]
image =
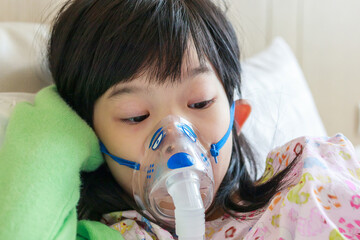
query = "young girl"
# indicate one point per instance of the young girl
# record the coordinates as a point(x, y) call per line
point(120, 68)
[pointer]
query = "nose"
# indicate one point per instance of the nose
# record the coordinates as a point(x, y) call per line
point(170, 149)
point(171, 144)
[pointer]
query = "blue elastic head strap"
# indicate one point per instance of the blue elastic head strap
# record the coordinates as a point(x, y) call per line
point(214, 150)
point(215, 147)
point(121, 161)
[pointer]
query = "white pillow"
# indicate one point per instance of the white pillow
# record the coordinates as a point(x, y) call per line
point(22, 50)
point(282, 105)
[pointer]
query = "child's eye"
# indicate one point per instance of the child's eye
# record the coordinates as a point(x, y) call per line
point(201, 105)
point(137, 119)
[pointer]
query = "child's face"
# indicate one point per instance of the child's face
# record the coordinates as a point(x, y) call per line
point(124, 120)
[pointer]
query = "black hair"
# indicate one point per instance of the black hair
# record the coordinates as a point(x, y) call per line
point(96, 44)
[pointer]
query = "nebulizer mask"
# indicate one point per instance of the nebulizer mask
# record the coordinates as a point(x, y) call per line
point(174, 183)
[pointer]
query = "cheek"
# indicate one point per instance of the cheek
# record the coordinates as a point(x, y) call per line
point(122, 143)
point(122, 175)
point(126, 149)
point(222, 166)
point(119, 140)
point(212, 131)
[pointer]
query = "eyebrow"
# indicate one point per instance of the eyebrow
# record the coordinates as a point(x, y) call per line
point(123, 90)
point(198, 70)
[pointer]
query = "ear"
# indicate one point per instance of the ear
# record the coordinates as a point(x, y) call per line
point(242, 112)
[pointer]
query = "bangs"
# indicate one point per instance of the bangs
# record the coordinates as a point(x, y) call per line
point(154, 39)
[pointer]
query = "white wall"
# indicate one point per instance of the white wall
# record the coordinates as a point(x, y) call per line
point(28, 10)
point(325, 37)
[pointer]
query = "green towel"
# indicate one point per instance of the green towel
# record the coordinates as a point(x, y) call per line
point(45, 147)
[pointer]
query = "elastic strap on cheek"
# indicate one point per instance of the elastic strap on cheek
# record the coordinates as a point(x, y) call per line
point(121, 161)
point(215, 147)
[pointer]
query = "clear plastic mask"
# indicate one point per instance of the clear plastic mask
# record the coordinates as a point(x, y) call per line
point(173, 152)
point(175, 171)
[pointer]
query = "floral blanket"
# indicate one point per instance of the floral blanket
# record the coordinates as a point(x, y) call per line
point(322, 202)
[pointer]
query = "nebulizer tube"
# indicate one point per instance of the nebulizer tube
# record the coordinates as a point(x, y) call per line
point(184, 188)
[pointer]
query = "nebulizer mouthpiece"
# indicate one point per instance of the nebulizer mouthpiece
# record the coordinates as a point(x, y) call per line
point(175, 181)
